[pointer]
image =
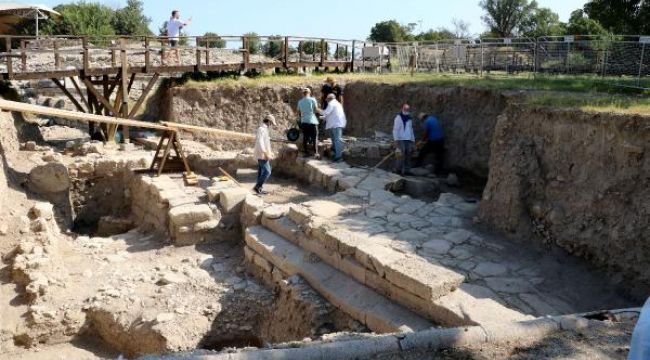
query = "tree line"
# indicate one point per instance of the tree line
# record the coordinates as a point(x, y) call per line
point(525, 18)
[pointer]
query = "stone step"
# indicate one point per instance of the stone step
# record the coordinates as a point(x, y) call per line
point(370, 264)
point(359, 301)
point(409, 272)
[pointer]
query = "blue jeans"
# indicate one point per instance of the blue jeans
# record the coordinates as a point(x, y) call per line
point(263, 172)
point(403, 162)
point(337, 142)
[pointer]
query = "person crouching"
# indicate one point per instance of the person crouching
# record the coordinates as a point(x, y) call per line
point(263, 153)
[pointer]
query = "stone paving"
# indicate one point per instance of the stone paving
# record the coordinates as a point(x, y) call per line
point(515, 273)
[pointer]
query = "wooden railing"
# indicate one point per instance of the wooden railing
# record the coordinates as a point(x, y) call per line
point(23, 57)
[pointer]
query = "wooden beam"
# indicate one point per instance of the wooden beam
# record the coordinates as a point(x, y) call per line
point(67, 93)
point(100, 97)
point(81, 95)
point(203, 130)
point(144, 94)
point(7, 105)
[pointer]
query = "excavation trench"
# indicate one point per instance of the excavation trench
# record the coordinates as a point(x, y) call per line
point(212, 266)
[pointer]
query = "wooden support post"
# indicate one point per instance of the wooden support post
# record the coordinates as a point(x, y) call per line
point(86, 55)
point(23, 54)
point(91, 90)
point(323, 51)
point(286, 52)
point(245, 53)
point(197, 66)
point(67, 93)
point(57, 56)
point(147, 55)
point(126, 88)
point(207, 52)
point(336, 52)
point(10, 66)
point(142, 98)
point(107, 91)
point(81, 95)
point(300, 51)
point(91, 104)
point(354, 43)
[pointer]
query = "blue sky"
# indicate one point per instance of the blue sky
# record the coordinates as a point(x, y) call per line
point(344, 19)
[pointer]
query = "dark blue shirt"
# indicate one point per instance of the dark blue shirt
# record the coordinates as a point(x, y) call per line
point(433, 128)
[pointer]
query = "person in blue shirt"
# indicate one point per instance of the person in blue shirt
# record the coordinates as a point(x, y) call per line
point(434, 142)
point(308, 109)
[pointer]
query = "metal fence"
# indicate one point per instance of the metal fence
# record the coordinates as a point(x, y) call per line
point(621, 59)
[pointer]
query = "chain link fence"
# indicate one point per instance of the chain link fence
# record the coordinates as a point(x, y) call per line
point(622, 60)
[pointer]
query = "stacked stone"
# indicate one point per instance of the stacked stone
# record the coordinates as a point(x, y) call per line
point(159, 204)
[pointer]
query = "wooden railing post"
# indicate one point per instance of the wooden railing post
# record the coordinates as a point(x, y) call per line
point(147, 55)
point(57, 56)
point(285, 51)
point(86, 54)
point(207, 52)
point(10, 66)
point(124, 109)
point(245, 53)
point(300, 51)
point(198, 53)
point(323, 57)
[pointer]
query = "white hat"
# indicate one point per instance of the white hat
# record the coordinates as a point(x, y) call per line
point(270, 118)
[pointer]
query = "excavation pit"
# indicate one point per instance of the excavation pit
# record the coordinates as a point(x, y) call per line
point(334, 247)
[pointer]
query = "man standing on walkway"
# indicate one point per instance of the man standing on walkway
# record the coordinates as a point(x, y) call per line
point(404, 140)
point(331, 87)
point(263, 153)
point(174, 26)
point(434, 142)
point(335, 122)
point(308, 108)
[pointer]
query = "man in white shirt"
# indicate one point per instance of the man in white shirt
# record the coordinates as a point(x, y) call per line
point(263, 153)
point(335, 122)
point(174, 26)
point(404, 140)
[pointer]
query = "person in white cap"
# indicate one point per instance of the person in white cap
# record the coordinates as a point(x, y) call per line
point(263, 153)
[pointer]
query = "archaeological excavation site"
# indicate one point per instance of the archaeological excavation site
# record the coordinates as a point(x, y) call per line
point(156, 247)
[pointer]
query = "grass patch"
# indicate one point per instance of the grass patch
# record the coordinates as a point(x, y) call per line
point(562, 91)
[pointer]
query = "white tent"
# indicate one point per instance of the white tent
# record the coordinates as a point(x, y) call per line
point(13, 12)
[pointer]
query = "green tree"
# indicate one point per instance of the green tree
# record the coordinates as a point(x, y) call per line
point(505, 17)
point(274, 47)
point(391, 31)
point(130, 20)
point(81, 18)
point(580, 24)
point(542, 22)
point(253, 43)
point(212, 40)
point(619, 17)
point(435, 35)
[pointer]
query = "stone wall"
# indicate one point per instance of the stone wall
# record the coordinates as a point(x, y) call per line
point(576, 179)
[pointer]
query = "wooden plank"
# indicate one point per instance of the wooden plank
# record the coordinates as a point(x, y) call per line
point(67, 93)
point(7, 105)
point(203, 130)
point(81, 95)
point(90, 87)
point(144, 94)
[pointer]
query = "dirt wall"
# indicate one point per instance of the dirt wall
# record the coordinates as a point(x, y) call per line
point(468, 115)
point(579, 180)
